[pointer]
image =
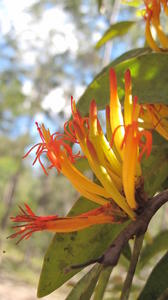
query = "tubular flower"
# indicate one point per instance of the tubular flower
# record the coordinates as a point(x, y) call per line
point(114, 159)
point(152, 17)
point(156, 116)
point(31, 223)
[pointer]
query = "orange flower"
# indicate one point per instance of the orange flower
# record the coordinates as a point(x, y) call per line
point(152, 17)
point(155, 116)
point(31, 223)
point(114, 159)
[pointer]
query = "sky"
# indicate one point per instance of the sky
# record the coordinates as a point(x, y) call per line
point(31, 35)
point(57, 29)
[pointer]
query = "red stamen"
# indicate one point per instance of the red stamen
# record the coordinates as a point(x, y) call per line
point(78, 130)
point(31, 223)
point(28, 152)
point(70, 132)
point(153, 112)
point(40, 132)
point(56, 143)
point(145, 146)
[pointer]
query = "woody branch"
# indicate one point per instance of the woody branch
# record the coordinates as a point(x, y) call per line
point(135, 228)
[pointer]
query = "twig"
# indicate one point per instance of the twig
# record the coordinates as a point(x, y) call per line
point(85, 264)
point(131, 271)
point(135, 228)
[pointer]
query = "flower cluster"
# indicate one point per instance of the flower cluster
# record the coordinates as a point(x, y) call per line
point(155, 116)
point(114, 158)
point(152, 17)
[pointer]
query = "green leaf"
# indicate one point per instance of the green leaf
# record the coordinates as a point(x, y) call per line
point(159, 243)
point(82, 164)
point(74, 248)
point(155, 168)
point(85, 286)
point(157, 281)
point(131, 54)
point(115, 30)
point(146, 69)
point(102, 282)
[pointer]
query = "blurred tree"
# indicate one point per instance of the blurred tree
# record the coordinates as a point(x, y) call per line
point(40, 60)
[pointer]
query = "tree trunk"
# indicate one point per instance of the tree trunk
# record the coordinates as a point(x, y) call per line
point(8, 197)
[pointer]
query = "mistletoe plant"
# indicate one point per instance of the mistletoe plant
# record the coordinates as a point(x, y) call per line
point(126, 192)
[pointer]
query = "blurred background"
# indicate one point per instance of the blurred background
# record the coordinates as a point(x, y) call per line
point(47, 54)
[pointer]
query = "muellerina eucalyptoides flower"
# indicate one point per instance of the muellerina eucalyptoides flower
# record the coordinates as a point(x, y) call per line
point(152, 17)
point(114, 157)
point(156, 116)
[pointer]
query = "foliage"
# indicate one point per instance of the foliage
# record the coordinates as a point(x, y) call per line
point(92, 242)
point(19, 182)
point(156, 283)
point(115, 30)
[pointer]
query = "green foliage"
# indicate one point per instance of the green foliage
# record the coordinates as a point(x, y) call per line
point(49, 195)
point(115, 30)
point(85, 286)
point(157, 281)
point(158, 244)
point(8, 166)
point(74, 248)
point(155, 169)
point(10, 92)
point(145, 71)
point(82, 164)
point(102, 282)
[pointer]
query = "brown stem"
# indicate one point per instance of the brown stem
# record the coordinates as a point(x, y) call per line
point(135, 228)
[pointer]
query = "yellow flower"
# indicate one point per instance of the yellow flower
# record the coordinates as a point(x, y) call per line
point(114, 158)
point(152, 17)
point(128, 137)
point(155, 116)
